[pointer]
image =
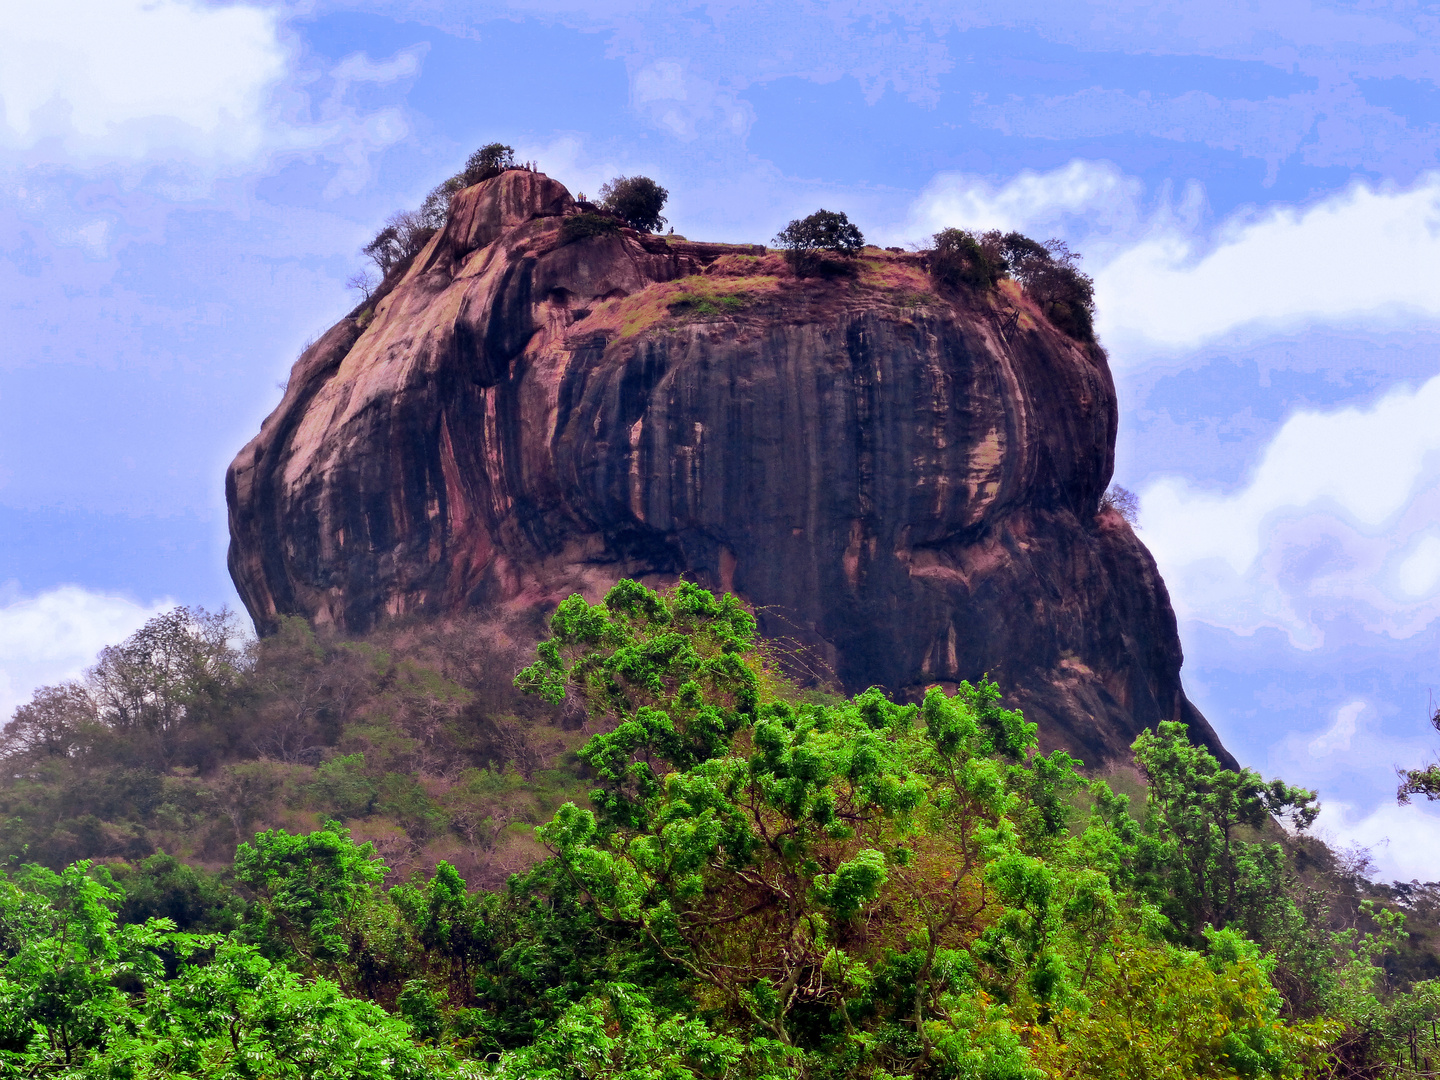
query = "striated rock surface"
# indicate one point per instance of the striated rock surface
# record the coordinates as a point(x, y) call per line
point(904, 484)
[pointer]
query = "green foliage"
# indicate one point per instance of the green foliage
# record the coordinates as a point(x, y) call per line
point(616, 1034)
point(163, 887)
point(1048, 272)
point(484, 164)
point(309, 889)
point(825, 232)
point(489, 161)
point(403, 235)
point(636, 200)
point(1195, 811)
point(958, 257)
point(1424, 781)
point(694, 304)
point(582, 226)
point(407, 231)
point(670, 670)
point(770, 884)
point(426, 737)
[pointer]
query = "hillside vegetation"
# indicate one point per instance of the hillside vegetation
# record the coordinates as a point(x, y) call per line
point(180, 740)
point(765, 882)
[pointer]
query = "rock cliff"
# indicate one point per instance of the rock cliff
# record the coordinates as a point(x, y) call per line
point(904, 484)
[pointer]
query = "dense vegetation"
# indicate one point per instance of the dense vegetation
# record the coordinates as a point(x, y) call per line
point(180, 740)
point(768, 882)
point(1047, 272)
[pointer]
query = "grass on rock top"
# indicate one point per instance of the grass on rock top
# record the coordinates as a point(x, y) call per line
point(733, 283)
point(696, 296)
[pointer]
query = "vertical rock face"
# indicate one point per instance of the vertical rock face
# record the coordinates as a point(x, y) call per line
point(905, 485)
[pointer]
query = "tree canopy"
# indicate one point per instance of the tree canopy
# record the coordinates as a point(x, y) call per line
point(768, 883)
point(636, 200)
point(826, 232)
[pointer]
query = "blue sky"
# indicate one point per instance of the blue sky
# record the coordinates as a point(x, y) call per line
point(184, 188)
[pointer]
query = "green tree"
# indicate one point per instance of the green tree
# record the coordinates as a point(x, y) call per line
point(65, 960)
point(959, 257)
point(1193, 848)
point(826, 232)
point(1424, 781)
point(310, 892)
point(637, 200)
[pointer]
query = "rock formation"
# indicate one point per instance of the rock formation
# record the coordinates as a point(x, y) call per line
point(905, 484)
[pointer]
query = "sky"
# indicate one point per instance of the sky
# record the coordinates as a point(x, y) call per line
point(185, 187)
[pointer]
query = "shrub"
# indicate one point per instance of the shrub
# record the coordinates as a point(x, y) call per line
point(694, 304)
point(963, 258)
point(1122, 501)
point(580, 226)
point(637, 200)
point(825, 231)
point(401, 239)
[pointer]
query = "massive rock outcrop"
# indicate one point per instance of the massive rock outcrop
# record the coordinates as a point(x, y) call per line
point(905, 484)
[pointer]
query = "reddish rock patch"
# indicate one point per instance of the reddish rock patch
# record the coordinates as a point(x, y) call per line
point(904, 484)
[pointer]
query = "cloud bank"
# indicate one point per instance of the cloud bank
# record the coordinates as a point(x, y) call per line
point(1164, 283)
point(1338, 519)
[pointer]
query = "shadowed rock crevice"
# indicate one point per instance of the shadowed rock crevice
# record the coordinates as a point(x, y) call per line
point(906, 494)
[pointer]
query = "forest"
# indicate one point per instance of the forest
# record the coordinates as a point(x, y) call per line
point(642, 851)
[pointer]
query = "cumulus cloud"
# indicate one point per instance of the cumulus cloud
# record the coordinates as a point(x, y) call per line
point(1164, 283)
point(57, 634)
point(194, 88)
point(1337, 518)
point(1110, 201)
point(686, 105)
point(1366, 256)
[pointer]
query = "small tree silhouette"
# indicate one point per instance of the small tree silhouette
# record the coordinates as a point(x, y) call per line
point(825, 231)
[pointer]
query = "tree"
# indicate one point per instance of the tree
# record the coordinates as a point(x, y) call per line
point(959, 257)
point(484, 164)
point(489, 161)
point(404, 234)
point(171, 684)
point(1050, 274)
point(309, 890)
point(825, 231)
point(54, 723)
point(1203, 871)
point(363, 282)
point(1122, 501)
point(636, 200)
point(1424, 781)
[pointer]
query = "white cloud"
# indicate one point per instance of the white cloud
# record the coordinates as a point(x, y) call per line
point(1403, 841)
point(1339, 734)
point(685, 104)
point(56, 636)
point(357, 67)
point(128, 78)
point(1337, 516)
point(1097, 189)
point(1365, 256)
point(185, 89)
point(1419, 572)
